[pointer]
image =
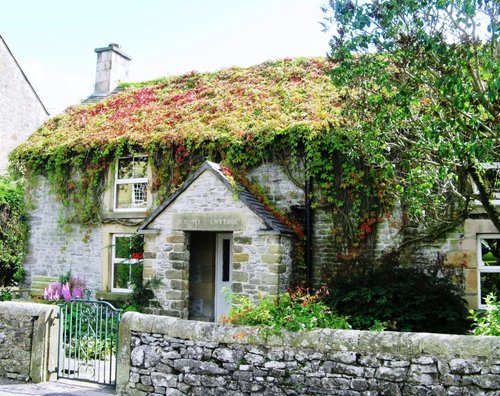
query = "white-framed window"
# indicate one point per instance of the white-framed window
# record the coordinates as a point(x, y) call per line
point(488, 266)
point(126, 261)
point(131, 184)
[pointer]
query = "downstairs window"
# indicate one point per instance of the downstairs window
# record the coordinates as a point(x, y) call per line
point(488, 249)
point(127, 259)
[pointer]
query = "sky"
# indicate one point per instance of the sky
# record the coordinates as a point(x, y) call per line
point(54, 40)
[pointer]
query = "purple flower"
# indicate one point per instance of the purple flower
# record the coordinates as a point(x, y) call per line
point(70, 290)
point(77, 292)
point(66, 292)
point(53, 291)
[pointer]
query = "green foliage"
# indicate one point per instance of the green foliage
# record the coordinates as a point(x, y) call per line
point(87, 348)
point(423, 82)
point(296, 310)
point(5, 295)
point(403, 299)
point(287, 110)
point(89, 333)
point(13, 231)
point(487, 323)
point(64, 278)
point(142, 293)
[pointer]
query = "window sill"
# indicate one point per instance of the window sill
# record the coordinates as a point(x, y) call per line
point(113, 296)
point(125, 215)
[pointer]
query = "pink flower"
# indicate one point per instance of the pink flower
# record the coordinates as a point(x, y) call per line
point(77, 292)
point(52, 291)
point(66, 292)
point(70, 290)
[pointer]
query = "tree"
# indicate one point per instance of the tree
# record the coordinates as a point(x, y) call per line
point(13, 231)
point(424, 77)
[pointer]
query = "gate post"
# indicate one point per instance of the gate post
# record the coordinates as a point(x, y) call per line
point(44, 345)
point(123, 354)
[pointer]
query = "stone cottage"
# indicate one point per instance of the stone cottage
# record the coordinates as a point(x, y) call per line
point(218, 181)
point(21, 109)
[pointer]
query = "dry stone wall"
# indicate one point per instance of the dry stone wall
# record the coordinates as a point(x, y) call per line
point(16, 334)
point(28, 341)
point(167, 356)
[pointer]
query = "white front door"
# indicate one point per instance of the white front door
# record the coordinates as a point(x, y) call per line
point(223, 271)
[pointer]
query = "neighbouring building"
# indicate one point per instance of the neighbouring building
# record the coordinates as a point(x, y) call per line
point(21, 110)
point(200, 179)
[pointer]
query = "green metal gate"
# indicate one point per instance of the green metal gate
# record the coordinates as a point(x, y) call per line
point(88, 341)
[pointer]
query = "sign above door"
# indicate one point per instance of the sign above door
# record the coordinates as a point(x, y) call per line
point(213, 221)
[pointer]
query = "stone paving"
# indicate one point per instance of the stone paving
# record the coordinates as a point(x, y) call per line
point(10, 387)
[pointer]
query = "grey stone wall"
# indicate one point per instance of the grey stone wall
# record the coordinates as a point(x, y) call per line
point(55, 248)
point(16, 333)
point(261, 259)
point(28, 341)
point(278, 185)
point(167, 356)
point(20, 110)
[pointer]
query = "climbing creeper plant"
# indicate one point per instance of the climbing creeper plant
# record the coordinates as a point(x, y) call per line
point(239, 117)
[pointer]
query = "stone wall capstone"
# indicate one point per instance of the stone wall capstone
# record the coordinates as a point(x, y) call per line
point(168, 356)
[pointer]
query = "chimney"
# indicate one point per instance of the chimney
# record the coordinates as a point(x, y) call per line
point(112, 68)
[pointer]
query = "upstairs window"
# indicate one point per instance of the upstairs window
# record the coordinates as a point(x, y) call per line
point(131, 184)
point(488, 248)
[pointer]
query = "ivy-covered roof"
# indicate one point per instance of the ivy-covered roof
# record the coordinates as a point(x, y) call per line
point(233, 104)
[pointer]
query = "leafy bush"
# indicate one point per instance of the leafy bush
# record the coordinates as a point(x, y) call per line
point(13, 231)
point(88, 348)
point(5, 295)
point(295, 311)
point(142, 293)
point(405, 299)
point(487, 323)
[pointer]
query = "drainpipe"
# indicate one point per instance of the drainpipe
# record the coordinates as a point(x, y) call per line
point(309, 233)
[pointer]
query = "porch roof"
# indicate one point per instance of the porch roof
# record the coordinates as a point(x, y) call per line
point(241, 192)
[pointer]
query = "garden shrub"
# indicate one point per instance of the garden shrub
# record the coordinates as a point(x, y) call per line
point(13, 231)
point(142, 293)
point(295, 310)
point(5, 295)
point(487, 323)
point(405, 299)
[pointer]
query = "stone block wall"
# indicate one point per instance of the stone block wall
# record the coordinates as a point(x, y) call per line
point(54, 248)
point(167, 356)
point(28, 341)
point(278, 185)
point(21, 112)
point(261, 258)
